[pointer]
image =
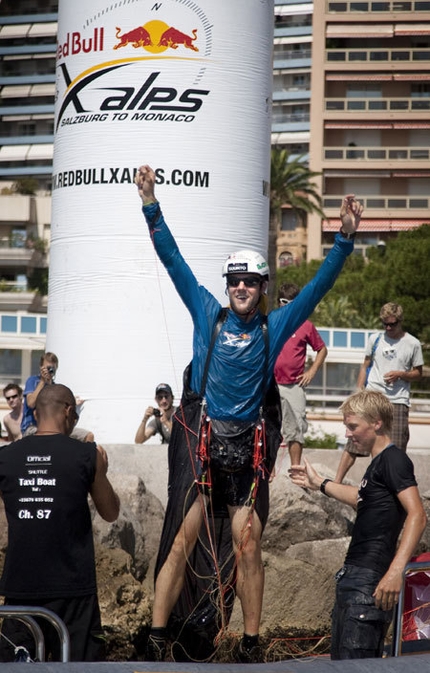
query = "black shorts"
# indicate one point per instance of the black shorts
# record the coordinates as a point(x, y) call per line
point(233, 488)
point(82, 618)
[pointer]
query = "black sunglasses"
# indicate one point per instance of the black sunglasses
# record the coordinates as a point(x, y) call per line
point(390, 324)
point(248, 281)
point(11, 397)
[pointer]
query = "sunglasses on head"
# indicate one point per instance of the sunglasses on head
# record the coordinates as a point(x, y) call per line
point(390, 324)
point(248, 281)
point(11, 397)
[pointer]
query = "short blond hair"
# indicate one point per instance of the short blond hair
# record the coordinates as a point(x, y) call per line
point(391, 310)
point(370, 405)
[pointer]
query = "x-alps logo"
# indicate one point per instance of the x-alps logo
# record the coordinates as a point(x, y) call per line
point(236, 340)
point(100, 92)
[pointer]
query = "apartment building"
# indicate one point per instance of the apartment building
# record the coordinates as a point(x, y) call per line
point(370, 116)
point(292, 51)
point(28, 30)
point(357, 73)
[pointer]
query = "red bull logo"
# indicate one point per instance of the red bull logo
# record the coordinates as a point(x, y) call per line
point(173, 38)
point(76, 43)
point(138, 37)
point(156, 37)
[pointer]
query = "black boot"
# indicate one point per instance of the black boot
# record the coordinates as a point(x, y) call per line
point(155, 648)
point(249, 651)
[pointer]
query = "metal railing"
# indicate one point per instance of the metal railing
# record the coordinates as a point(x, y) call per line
point(377, 153)
point(377, 55)
point(411, 568)
point(377, 104)
point(26, 615)
point(334, 6)
point(384, 202)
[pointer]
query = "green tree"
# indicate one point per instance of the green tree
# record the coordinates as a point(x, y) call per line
point(290, 184)
point(26, 185)
point(398, 274)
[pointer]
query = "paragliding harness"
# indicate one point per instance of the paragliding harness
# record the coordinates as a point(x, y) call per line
point(232, 446)
point(205, 604)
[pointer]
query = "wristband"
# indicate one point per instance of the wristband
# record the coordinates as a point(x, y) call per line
point(346, 235)
point(323, 485)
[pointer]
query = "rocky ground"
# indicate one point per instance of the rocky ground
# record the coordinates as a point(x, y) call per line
point(304, 544)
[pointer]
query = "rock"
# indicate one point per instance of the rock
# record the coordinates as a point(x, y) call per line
point(297, 516)
point(137, 529)
point(125, 608)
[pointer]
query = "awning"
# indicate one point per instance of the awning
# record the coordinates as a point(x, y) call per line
point(355, 77)
point(13, 152)
point(43, 30)
point(412, 29)
point(287, 10)
point(378, 225)
point(357, 173)
point(18, 91)
point(26, 90)
point(358, 125)
point(293, 39)
point(411, 125)
point(40, 152)
point(43, 89)
point(411, 174)
point(11, 32)
point(360, 30)
point(412, 77)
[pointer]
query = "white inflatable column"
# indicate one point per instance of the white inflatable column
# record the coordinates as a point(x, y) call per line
point(185, 87)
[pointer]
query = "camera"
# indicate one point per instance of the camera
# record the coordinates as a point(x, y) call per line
point(51, 370)
point(156, 413)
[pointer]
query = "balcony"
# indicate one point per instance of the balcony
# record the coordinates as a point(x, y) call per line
point(392, 6)
point(394, 55)
point(369, 105)
point(387, 206)
point(12, 257)
point(377, 153)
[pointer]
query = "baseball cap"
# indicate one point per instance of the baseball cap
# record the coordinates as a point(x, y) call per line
point(163, 388)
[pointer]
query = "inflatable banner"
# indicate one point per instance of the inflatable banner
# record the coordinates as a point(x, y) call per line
point(182, 86)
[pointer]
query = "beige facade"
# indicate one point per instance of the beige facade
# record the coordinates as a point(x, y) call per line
point(370, 116)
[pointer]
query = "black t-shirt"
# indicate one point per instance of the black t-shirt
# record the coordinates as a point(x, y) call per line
point(380, 516)
point(45, 482)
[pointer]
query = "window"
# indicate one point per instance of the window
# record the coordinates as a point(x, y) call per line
point(10, 365)
point(290, 220)
point(286, 259)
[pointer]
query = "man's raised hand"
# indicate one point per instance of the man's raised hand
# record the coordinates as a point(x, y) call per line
point(350, 214)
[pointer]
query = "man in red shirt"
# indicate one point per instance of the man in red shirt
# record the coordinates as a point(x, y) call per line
point(292, 378)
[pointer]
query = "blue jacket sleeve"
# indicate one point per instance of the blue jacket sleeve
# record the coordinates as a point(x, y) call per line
point(201, 304)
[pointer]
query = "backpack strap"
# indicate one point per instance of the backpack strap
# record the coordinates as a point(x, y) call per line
point(375, 345)
point(216, 330)
point(265, 331)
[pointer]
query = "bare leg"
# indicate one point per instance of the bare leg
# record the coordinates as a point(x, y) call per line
point(246, 531)
point(347, 460)
point(170, 579)
point(295, 450)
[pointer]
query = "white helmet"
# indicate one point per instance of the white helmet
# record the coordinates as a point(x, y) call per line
point(246, 261)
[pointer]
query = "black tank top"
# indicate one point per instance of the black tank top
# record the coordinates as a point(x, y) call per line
point(45, 482)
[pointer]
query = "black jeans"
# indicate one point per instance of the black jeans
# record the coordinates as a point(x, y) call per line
point(358, 627)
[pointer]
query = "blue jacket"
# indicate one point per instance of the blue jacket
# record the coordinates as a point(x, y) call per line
point(236, 370)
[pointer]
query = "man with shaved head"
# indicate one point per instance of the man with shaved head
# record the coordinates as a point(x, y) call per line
point(45, 479)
